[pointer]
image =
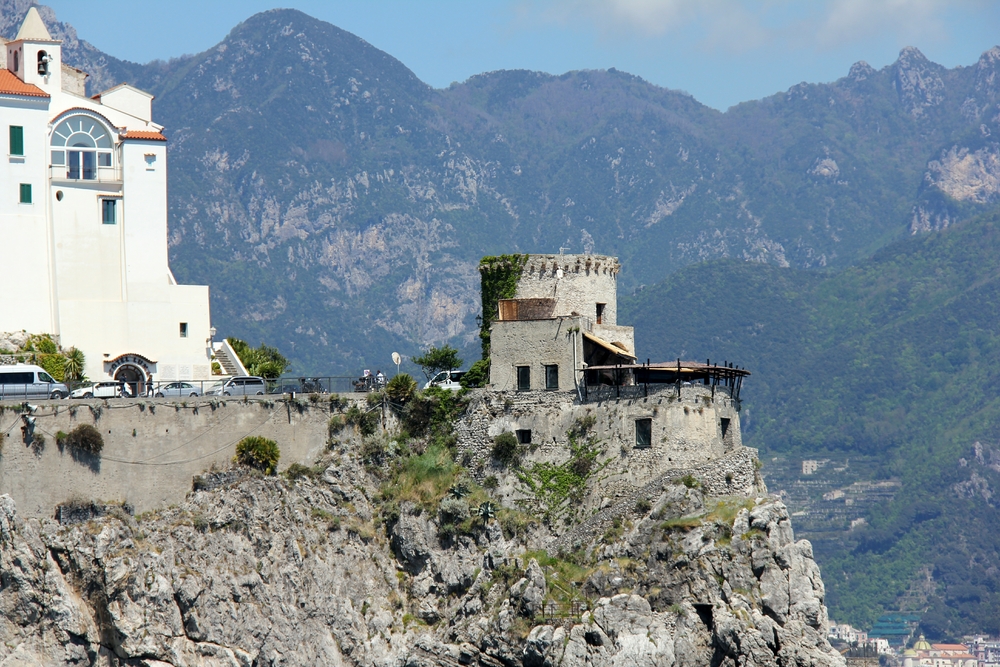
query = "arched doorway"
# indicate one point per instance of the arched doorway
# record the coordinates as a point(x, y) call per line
point(133, 377)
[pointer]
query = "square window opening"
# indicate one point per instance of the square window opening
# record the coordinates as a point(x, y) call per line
point(551, 376)
point(25, 193)
point(644, 432)
point(600, 313)
point(109, 211)
point(17, 140)
point(524, 378)
point(523, 436)
point(184, 329)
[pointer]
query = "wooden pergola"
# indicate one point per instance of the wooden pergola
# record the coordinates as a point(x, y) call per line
point(726, 374)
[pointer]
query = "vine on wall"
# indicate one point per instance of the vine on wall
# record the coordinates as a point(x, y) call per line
point(499, 277)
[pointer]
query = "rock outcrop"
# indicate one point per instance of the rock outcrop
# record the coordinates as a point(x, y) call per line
point(270, 571)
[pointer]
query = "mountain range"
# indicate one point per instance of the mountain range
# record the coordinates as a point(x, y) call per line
point(836, 238)
point(337, 205)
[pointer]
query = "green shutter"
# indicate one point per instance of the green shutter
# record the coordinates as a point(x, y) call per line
point(25, 193)
point(16, 140)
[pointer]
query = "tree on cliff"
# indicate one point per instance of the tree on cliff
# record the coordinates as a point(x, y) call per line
point(437, 359)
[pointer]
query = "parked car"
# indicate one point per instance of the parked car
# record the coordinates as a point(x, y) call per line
point(29, 381)
point(446, 380)
point(178, 389)
point(241, 385)
point(100, 390)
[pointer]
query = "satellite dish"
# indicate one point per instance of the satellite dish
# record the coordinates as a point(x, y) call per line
point(396, 358)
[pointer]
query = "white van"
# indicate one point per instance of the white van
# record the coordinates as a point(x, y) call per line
point(23, 381)
point(446, 380)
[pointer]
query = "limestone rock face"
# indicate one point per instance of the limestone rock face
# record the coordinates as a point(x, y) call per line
point(277, 572)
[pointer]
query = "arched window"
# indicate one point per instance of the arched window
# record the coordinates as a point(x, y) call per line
point(43, 63)
point(83, 145)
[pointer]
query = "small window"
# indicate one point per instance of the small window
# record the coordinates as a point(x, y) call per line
point(643, 432)
point(523, 436)
point(551, 376)
point(45, 377)
point(16, 61)
point(104, 159)
point(600, 313)
point(184, 329)
point(58, 158)
point(25, 193)
point(724, 426)
point(109, 216)
point(524, 378)
point(16, 140)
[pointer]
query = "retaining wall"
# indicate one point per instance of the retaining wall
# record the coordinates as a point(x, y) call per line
point(152, 449)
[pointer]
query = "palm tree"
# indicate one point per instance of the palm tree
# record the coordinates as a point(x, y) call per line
point(73, 368)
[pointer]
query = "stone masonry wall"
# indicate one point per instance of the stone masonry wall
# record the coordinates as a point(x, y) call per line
point(686, 431)
point(152, 449)
point(586, 280)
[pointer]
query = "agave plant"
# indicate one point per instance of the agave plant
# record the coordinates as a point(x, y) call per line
point(487, 511)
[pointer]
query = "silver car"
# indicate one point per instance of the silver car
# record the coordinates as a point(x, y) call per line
point(241, 385)
point(177, 389)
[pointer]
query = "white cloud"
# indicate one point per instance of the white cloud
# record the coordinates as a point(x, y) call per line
point(742, 25)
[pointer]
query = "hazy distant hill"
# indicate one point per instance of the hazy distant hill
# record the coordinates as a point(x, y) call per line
point(896, 359)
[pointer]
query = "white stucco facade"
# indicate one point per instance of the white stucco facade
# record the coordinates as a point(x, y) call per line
point(83, 217)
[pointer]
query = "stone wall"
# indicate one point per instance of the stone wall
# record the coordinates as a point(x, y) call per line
point(584, 281)
point(534, 343)
point(686, 431)
point(152, 449)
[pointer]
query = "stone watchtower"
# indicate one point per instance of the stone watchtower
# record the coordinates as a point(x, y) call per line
point(562, 318)
point(558, 359)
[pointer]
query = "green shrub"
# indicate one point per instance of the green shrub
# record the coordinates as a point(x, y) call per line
point(366, 422)
point(85, 437)
point(505, 448)
point(298, 471)
point(337, 402)
point(478, 375)
point(642, 506)
point(453, 510)
point(259, 453)
point(690, 481)
point(491, 483)
point(401, 388)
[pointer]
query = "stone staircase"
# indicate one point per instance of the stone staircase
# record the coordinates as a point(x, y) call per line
point(228, 359)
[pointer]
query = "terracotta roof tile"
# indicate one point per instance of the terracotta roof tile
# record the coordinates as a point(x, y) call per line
point(11, 85)
point(148, 136)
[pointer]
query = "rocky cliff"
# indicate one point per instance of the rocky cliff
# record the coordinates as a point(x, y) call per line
point(320, 570)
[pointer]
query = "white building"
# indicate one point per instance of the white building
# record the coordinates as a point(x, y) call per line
point(83, 218)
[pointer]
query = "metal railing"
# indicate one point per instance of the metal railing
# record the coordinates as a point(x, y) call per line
point(604, 392)
point(183, 389)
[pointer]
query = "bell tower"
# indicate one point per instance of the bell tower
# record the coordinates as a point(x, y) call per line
point(33, 56)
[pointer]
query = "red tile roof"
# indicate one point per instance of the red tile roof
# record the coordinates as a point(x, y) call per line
point(11, 85)
point(148, 136)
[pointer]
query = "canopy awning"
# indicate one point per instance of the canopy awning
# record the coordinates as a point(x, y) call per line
point(610, 347)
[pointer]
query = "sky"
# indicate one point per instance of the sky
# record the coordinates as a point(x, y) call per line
point(720, 51)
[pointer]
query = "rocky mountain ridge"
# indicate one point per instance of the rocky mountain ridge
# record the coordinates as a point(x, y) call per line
point(315, 179)
point(301, 573)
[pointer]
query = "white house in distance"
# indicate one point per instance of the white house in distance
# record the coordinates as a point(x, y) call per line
point(83, 218)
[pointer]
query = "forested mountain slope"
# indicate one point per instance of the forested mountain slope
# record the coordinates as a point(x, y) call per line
point(898, 359)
